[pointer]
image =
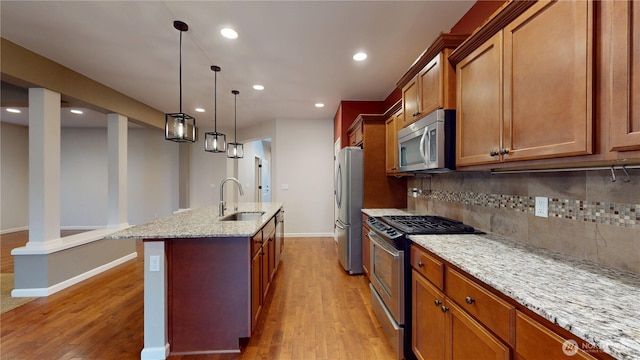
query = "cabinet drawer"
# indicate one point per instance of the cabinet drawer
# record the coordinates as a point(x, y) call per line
point(269, 227)
point(428, 266)
point(495, 313)
point(256, 242)
point(534, 341)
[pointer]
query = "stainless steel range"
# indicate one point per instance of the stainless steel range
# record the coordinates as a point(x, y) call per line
point(390, 271)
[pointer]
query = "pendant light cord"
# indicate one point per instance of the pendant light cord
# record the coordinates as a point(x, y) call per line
point(235, 112)
point(215, 103)
point(181, 72)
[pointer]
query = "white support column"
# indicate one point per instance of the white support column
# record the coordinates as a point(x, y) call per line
point(117, 170)
point(156, 338)
point(44, 169)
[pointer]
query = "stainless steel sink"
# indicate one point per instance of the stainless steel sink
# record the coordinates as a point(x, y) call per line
point(243, 216)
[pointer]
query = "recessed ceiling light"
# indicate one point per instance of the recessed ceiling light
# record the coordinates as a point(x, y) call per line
point(319, 105)
point(75, 111)
point(229, 33)
point(199, 110)
point(258, 87)
point(359, 56)
point(15, 111)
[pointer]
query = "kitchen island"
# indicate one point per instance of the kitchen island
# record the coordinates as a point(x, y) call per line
point(206, 276)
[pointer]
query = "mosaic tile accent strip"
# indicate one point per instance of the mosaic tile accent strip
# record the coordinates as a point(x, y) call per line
point(625, 215)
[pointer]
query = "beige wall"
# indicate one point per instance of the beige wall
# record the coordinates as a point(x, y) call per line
point(590, 217)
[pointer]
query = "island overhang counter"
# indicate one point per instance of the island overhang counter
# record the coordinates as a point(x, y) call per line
point(199, 289)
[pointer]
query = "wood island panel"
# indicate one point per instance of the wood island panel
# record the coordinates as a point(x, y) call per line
point(209, 292)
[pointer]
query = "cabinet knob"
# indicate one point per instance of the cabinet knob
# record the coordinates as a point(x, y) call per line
point(445, 309)
point(493, 153)
point(504, 151)
point(469, 300)
point(420, 264)
point(438, 302)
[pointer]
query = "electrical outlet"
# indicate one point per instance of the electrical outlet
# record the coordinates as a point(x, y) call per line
point(542, 206)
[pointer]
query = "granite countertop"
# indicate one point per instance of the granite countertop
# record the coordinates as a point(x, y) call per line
point(202, 222)
point(597, 303)
point(386, 212)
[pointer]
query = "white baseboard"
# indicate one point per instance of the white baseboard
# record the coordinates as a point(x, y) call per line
point(155, 353)
point(308, 235)
point(7, 231)
point(42, 292)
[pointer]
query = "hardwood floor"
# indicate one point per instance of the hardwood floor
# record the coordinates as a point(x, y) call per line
point(314, 311)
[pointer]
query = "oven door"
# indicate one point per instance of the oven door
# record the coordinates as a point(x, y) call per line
point(387, 275)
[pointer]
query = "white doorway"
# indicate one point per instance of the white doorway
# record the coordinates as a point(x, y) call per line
point(263, 180)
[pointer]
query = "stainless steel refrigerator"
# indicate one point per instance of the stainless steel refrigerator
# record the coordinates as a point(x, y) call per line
point(348, 196)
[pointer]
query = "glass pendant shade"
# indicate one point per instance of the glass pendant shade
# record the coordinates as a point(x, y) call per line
point(235, 150)
point(215, 142)
point(180, 127)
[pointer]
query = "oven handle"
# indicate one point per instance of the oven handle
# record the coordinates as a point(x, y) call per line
point(383, 245)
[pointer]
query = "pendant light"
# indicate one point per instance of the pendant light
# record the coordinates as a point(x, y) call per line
point(235, 150)
point(215, 142)
point(180, 127)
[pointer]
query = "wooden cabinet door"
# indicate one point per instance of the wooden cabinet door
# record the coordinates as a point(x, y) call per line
point(391, 130)
point(624, 129)
point(479, 104)
point(256, 290)
point(272, 255)
point(428, 319)
point(467, 339)
point(410, 108)
point(534, 341)
point(548, 81)
point(430, 96)
point(265, 270)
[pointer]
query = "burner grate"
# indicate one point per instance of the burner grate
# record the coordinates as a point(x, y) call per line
point(424, 224)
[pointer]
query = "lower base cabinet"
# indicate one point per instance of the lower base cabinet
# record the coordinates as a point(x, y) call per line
point(462, 318)
point(442, 330)
point(263, 267)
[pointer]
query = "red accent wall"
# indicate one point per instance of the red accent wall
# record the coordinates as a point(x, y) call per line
point(476, 16)
point(348, 111)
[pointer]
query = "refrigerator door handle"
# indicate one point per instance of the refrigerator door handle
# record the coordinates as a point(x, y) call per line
point(339, 187)
point(340, 225)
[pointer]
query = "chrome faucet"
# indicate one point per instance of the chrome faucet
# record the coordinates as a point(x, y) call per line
point(222, 207)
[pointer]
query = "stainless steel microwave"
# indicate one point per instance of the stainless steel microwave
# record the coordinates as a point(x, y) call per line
point(428, 145)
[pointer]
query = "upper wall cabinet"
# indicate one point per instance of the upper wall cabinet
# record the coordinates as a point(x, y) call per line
point(527, 91)
point(430, 82)
point(624, 130)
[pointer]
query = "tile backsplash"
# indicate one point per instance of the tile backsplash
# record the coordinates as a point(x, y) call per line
point(590, 217)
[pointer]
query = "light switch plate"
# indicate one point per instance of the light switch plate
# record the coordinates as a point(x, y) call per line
point(542, 206)
point(154, 263)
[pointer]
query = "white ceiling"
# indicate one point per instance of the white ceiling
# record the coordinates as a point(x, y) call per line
point(301, 51)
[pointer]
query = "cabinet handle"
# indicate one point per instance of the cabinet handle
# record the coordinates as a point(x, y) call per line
point(469, 300)
point(420, 264)
point(445, 309)
point(504, 151)
point(438, 302)
point(493, 153)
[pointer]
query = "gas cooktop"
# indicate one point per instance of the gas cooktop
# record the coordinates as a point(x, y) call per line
point(426, 225)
